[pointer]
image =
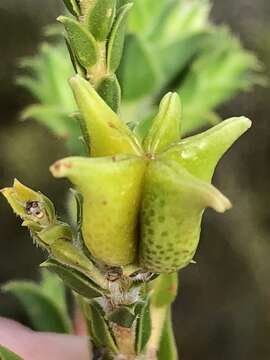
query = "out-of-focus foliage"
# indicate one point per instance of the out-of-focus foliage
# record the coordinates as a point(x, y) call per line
point(47, 79)
point(173, 44)
point(44, 303)
point(170, 44)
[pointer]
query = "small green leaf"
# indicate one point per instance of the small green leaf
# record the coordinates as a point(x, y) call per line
point(123, 316)
point(100, 327)
point(76, 65)
point(117, 38)
point(6, 354)
point(167, 346)
point(67, 254)
point(44, 313)
point(109, 89)
point(137, 72)
point(81, 41)
point(144, 327)
point(100, 18)
point(72, 7)
point(74, 279)
point(164, 290)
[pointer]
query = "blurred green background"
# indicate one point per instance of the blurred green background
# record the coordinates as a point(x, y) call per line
point(223, 308)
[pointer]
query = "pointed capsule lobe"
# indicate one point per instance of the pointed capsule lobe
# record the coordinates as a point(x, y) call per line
point(165, 129)
point(108, 134)
point(111, 190)
point(172, 207)
point(200, 154)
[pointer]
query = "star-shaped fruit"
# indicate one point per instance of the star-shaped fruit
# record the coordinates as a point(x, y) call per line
point(143, 200)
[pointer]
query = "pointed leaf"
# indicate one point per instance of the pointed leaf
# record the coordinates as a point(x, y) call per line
point(45, 314)
point(165, 129)
point(117, 38)
point(6, 354)
point(100, 18)
point(108, 134)
point(144, 327)
point(81, 41)
point(167, 347)
point(74, 279)
point(69, 255)
point(100, 327)
point(109, 90)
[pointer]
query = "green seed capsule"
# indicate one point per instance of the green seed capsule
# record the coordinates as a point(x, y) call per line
point(111, 189)
point(172, 207)
point(177, 190)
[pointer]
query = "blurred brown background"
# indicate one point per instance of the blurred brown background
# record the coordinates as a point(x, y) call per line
point(223, 309)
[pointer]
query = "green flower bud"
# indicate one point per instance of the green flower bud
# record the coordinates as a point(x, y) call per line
point(108, 134)
point(34, 208)
point(111, 189)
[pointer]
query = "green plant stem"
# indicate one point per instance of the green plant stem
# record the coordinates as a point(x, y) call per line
point(158, 317)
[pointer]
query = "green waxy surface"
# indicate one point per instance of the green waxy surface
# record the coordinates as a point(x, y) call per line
point(172, 208)
point(111, 190)
point(108, 134)
point(165, 129)
point(199, 154)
